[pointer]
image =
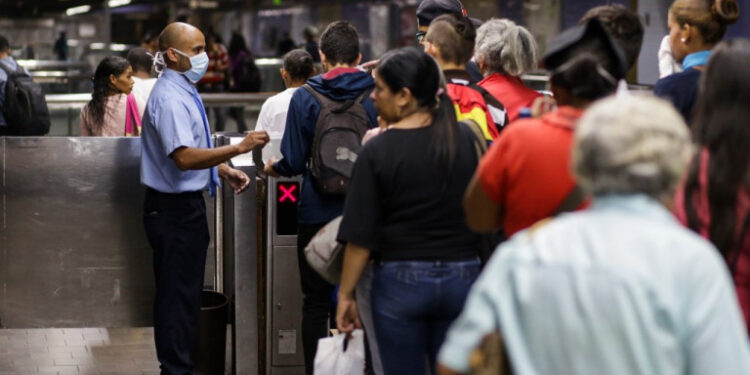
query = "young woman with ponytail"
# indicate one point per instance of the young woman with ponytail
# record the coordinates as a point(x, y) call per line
point(403, 210)
point(112, 107)
point(715, 201)
point(695, 27)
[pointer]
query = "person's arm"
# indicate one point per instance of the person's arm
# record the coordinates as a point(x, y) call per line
point(478, 318)
point(237, 179)
point(482, 214)
point(298, 134)
point(191, 158)
point(83, 124)
point(355, 261)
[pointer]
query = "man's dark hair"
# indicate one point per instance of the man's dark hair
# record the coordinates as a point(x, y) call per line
point(340, 43)
point(140, 60)
point(623, 25)
point(299, 64)
point(4, 44)
point(454, 36)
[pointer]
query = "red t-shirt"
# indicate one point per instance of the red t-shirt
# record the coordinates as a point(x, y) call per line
point(701, 204)
point(527, 169)
point(511, 92)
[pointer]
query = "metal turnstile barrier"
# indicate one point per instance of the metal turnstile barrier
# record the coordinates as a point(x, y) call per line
point(256, 267)
point(283, 329)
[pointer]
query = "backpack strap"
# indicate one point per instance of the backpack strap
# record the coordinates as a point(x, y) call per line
point(480, 145)
point(334, 105)
point(495, 106)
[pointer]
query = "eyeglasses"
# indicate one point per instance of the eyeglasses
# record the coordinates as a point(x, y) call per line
point(420, 36)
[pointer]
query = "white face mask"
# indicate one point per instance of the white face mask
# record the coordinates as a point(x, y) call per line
point(198, 66)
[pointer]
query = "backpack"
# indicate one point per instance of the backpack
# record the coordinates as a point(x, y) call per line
point(249, 79)
point(25, 108)
point(337, 141)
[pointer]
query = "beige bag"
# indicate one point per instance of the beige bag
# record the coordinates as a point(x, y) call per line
point(326, 255)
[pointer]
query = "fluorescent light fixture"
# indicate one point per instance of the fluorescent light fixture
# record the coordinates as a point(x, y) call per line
point(97, 46)
point(117, 3)
point(78, 10)
point(207, 4)
point(118, 47)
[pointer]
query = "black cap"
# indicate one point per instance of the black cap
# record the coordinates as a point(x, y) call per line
point(591, 36)
point(428, 10)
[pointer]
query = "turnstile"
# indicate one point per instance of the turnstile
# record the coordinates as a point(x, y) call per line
point(284, 295)
point(258, 268)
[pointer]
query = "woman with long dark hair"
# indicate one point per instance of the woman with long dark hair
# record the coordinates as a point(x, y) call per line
point(695, 27)
point(111, 101)
point(403, 210)
point(715, 201)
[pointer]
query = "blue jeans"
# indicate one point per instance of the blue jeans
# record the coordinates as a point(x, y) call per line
point(413, 305)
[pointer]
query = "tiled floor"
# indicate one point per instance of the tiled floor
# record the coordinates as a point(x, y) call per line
point(90, 351)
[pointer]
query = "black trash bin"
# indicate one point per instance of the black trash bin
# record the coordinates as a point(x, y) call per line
point(210, 354)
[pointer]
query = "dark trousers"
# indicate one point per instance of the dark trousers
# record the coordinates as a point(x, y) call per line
point(317, 302)
point(177, 231)
point(413, 305)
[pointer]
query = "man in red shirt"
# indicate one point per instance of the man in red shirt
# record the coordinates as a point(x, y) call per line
point(525, 176)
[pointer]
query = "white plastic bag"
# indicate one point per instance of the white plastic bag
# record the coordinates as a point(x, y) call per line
point(332, 359)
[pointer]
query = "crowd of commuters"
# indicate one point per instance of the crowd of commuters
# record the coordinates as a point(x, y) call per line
point(602, 198)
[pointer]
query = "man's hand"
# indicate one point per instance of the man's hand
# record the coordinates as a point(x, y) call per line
point(236, 178)
point(252, 140)
point(268, 168)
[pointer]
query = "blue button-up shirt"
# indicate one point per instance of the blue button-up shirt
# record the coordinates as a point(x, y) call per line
point(622, 288)
point(172, 120)
point(11, 64)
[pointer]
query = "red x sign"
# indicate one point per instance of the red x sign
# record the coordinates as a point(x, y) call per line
point(287, 193)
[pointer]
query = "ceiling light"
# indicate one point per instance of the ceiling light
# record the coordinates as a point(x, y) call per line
point(78, 10)
point(117, 3)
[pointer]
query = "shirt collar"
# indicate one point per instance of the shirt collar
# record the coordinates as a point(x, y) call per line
point(179, 79)
point(640, 204)
point(696, 59)
point(565, 117)
point(457, 76)
point(502, 78)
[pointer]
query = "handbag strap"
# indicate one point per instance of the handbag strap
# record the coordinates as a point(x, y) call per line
point(131, 115)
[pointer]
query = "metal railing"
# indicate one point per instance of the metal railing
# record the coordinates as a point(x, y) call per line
point(65, 108)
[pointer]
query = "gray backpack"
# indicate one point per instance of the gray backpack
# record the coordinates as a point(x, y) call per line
point(337, 141)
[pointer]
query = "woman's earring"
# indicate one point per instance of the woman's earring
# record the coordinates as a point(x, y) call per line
point(683, 40)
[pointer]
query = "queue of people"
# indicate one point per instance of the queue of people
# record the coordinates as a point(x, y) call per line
point(624, 217)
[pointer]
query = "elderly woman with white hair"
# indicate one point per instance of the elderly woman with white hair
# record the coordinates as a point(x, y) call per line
point(503, 52)
point(621, 288)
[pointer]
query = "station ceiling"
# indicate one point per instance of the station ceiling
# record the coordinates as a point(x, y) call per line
point(41, 8)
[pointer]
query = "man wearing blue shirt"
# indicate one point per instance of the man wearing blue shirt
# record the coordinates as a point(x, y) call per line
point(178, 162)
point(339, 54)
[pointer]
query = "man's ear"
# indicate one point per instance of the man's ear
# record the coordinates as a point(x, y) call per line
point(359, 60)
point(323, 59)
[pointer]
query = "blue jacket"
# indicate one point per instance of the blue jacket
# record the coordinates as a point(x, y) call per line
point(681, 89)
point(339, 84)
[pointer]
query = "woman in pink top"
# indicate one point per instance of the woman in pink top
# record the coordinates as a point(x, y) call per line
point(106, 114)
point(715, 201)
point(505, 51)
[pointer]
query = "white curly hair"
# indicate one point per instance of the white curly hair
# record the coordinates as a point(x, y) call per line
point(505, 47)
point(631, 144)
